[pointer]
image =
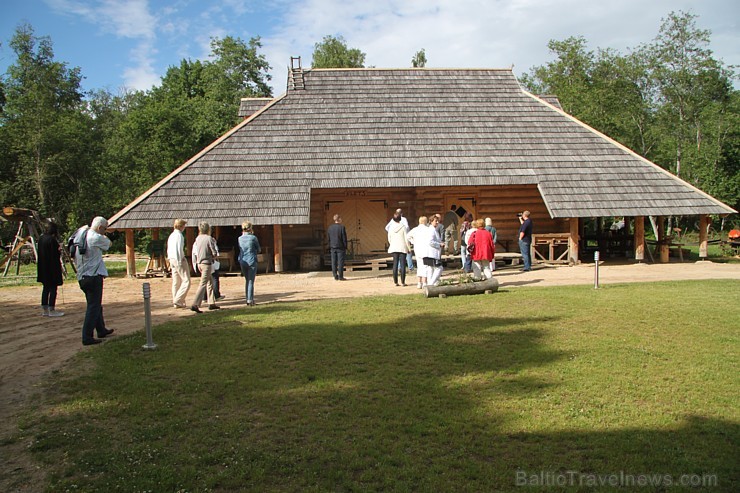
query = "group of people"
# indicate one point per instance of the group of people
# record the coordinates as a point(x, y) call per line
point(204, 258)
point(90, 245)
point(428, 241)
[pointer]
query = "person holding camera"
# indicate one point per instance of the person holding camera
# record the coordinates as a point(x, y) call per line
point(91, 271)
point(525, 240)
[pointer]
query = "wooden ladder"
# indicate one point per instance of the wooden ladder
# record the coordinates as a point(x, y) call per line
point(296, 80)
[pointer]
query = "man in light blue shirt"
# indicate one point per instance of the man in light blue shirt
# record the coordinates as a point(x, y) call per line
point(90, 274)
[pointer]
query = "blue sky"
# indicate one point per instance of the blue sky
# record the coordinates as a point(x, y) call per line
point(130, 43)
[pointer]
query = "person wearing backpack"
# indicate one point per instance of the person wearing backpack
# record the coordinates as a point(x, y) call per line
point(90, 243)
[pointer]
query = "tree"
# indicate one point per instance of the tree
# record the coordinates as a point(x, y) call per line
point(43, 129)
point(669, 101)
point(420, 59)
point(333, 52)
point(196, 103)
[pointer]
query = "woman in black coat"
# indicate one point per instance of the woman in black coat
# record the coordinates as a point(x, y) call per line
point(49, 270)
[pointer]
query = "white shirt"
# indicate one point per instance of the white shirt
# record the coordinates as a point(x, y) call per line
point(176, 247)
point(91, 263)
point(419, 237)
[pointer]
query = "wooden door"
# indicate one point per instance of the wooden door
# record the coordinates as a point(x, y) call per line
point(365, 221)
point(463, 203)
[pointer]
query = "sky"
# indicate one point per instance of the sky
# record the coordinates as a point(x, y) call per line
point(129, 44)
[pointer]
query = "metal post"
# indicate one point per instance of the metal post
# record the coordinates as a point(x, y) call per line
point(596, 270)
point(148, 317)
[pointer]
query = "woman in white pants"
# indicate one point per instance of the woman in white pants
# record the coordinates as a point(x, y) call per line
point(419, 238)
point(433, 258)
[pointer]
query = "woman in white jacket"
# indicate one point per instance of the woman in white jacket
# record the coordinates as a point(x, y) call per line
point(433, 257)
point(419, 237)
point(399, 247)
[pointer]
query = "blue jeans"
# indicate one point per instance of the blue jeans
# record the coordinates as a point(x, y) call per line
point(93, 289)
point(525, 249)
point(410, 260)
point(399, 265)
point(250, 273)
point(337, 262)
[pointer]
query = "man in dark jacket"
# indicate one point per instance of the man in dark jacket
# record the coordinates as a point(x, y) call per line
point(337, 234)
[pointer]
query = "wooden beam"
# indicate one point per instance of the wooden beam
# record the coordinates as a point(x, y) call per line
point(639, 238)
point(662, 241)
point(190, 234)
point(574, 241)
point(155, 237)
point(130, 254)
point(488, 286)
point(277, 231)
point(704, 223)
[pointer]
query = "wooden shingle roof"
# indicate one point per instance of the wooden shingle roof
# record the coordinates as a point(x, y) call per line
point(373, 128)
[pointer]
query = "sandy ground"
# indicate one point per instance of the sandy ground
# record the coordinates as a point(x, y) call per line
point(32, 346)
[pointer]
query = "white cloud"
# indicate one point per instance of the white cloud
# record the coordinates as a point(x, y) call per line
point(479, 33)
point(126, 19)
point(130, 19)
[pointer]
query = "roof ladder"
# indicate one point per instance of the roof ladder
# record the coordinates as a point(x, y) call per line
point(295, 78)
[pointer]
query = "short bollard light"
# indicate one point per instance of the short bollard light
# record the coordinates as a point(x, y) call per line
point(148, 317)
point(596, 270)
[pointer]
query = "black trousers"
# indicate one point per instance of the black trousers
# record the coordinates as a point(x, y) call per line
point(49, 295)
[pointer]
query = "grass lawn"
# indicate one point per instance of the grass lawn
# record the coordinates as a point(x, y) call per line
point(476, 393)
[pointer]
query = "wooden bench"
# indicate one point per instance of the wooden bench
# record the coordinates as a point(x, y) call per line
point(374, 265)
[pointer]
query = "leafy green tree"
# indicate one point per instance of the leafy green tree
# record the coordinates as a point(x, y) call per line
point(43, 128)
point(333, 52)
point(196, 103)
point(420, 59)
point(669, 101)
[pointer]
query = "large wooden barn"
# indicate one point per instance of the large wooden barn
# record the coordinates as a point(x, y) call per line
point(363, 142)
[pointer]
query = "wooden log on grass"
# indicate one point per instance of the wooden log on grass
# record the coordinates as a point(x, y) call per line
point(479, 287)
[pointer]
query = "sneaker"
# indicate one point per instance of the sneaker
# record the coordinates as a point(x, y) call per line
point(177, 305)
point(54, 313)
point(222, 297)
point(91, 342)
point(418, 285)
point(44, 311)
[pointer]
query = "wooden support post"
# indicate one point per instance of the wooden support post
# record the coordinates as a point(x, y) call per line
point(130, 254)
point(277, 231)
point(662, 241)
point(639, 238)
point(155, 237)
point(190, 234)
point(574, 241)
point(704, 222)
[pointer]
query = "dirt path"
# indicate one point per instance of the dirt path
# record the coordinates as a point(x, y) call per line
point(32, 346)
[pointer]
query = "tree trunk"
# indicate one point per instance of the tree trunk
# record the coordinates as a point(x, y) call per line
point(479, 287)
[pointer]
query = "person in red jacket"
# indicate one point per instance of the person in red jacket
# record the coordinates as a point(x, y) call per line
point(483, 250)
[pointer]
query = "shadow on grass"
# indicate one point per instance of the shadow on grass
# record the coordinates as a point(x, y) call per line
point(289, 399)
